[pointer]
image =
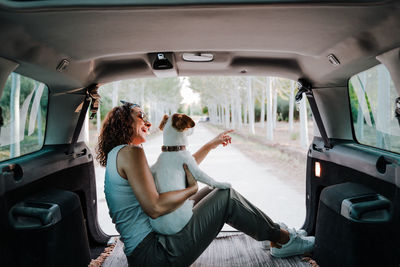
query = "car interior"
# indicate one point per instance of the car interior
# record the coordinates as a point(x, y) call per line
point(344, 55)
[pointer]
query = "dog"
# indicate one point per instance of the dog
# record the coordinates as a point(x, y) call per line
point(169, 175)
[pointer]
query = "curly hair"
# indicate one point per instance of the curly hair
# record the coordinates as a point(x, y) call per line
point(116, 130)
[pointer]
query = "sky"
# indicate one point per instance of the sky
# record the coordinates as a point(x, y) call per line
point(189, 97)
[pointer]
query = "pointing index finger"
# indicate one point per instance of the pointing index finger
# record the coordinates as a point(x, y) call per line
point(228, 131)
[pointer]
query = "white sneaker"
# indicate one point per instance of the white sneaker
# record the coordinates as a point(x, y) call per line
point(297, 245)
point(301, 232)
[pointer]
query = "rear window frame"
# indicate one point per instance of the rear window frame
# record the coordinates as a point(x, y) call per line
point(351, 115)
point(47, 117)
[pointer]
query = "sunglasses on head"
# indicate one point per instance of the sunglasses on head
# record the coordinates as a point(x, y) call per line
point(131, 105)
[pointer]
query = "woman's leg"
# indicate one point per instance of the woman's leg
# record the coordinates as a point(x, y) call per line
point(209, 216)
point(150, 252)
point(201, 194)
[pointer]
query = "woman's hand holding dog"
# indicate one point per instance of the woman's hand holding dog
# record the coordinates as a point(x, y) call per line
point(191, 181)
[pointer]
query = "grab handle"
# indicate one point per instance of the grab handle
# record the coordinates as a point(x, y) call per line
point(370, 208)
point(34, 215)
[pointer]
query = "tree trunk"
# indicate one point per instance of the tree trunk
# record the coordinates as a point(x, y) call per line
point(215, 114)
point(98, 118)
point(303, 122)
point(291, 106)
point(142, 84)
point(221, 115)
point(360, 115)
point(86, 129)
point(210, 113)
point(383, 109)
point(250, 105)
point(14, 115)
point(132, 94)
point(39, 123)
point(226, 106)
point(23, 114)
point(270, 129)
point(238, 105)
point(245, 108)
point(240, 113)
point(115, 94)
point(275, 106)
point(262, 116)
point(36, 110)
point(233, 113)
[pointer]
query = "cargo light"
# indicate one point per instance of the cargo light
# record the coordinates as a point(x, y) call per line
point(317, 169)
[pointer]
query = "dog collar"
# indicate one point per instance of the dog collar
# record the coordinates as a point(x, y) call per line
point(172, 148)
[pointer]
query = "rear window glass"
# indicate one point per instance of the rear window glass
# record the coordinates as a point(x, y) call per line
point(372, 98)
point(24, 111)
point(268, 153)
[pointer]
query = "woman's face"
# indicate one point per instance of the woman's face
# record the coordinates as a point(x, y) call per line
point(140, 126)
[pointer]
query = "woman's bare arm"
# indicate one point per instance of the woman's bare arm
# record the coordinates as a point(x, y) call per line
point(221, 139)
point(132, 164)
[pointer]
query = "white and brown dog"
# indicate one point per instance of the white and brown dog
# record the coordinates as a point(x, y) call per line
point(169, 175)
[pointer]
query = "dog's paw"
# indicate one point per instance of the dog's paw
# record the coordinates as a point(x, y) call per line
point(223, 185)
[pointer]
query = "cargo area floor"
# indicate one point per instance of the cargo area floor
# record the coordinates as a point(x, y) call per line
point(233, 249)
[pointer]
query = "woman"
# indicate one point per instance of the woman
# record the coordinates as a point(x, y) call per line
point(132, 198)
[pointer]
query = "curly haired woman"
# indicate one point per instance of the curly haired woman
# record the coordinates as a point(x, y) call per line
point(132, 199)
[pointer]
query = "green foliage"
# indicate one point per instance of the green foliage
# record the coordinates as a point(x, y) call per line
point(26, 87)
point(181, 109)
point(283, 110)
point(257, 113)
point(353, 102)
point(205, 110)
point(294, 136)
point(355, 105)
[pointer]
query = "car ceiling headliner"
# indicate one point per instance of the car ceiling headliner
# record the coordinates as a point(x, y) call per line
point(104, 44)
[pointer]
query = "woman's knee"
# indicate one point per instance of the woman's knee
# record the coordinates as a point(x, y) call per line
point(217, 196)
point(233, 193)
point(224, 192)
point(226, 195)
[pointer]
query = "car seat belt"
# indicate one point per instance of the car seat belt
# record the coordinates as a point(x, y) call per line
point(305, 87)
point(92, 97)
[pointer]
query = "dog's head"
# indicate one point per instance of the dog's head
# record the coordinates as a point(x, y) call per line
point(176, 129)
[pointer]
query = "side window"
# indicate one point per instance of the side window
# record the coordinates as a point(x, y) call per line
point(23, 112)
point(372, 98)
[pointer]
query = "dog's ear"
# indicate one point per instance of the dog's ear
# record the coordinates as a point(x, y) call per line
point(182, 121)
point(189, 122)
point(163, 122)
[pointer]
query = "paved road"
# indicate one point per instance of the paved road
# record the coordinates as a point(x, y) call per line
point(255, 182)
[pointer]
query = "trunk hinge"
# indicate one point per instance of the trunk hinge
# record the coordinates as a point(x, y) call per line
point(305, 87)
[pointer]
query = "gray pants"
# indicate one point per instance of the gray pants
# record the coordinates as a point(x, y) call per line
point(209, 215)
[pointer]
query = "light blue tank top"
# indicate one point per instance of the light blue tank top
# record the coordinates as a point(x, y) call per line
point(131, 222)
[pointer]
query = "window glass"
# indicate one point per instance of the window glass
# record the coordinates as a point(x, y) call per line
point(372, 98)
point(24, 112)
point(271, 136)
